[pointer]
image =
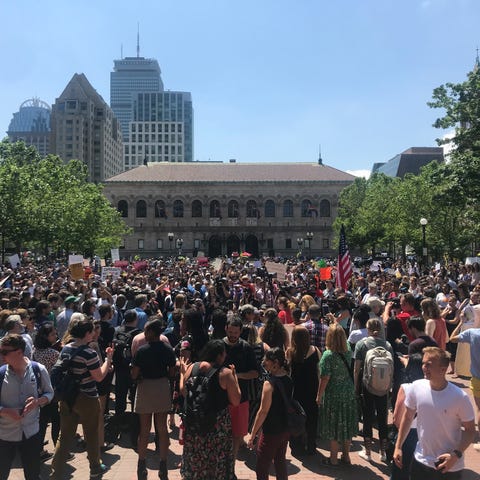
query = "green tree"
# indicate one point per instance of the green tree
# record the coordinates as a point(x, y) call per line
point(47, 204)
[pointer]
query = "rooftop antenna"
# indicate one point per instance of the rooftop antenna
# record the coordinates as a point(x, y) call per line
point(121, 51)
point(320, 161)
point(138, 39)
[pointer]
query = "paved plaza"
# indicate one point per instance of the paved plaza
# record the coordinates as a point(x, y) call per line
point(122, 461)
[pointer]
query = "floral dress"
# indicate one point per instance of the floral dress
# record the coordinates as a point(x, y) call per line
point(209, 456)
point(338, 410)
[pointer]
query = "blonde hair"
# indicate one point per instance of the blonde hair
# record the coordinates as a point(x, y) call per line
point(336, 340)
point(437, 353)
point(305, 302)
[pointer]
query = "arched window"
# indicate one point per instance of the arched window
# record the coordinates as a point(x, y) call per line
point(233, 209)
point(325, 208)
point(308, 210)
point(252, 211)
point(122, 207)
point(197, 209)
point(215, 209)
point(160, 210)
point(270, 208)
point(288, 208)
point(178, 209)
point(141, 209)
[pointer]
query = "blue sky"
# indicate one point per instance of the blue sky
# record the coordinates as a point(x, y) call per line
point(270, 79)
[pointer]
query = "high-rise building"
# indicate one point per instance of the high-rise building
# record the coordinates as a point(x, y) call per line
point(132, 75)
point(161, 129)
point(85, 128)
point(157, 125)
point(31, 124)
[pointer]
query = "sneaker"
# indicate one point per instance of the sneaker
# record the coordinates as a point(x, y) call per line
point(366, 456)
point(98, 471)
point(44, 456)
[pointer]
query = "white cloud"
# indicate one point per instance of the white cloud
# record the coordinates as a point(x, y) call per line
point(359, 173)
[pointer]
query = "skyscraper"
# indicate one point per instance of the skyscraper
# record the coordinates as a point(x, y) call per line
point(132, 75)
point(84, 127)
point(161, 129)
point(157, 125)
point(31, 124)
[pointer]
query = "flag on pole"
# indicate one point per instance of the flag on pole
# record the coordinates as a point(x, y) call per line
point(344, 266)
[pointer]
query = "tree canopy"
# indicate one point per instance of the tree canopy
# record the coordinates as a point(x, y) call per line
point(47, 204)
point(384, 212)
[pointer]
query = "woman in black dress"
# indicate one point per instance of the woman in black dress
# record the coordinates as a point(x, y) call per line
point(304, 360)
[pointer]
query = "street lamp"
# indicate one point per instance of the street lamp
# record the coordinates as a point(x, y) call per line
point(170, 236)
point(309, 236)
point(299, 243)
point(423, 223)
point(179, 245)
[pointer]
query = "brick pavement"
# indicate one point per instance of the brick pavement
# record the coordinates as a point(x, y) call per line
point(122, 461)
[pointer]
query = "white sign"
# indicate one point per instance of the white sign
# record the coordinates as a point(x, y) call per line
point(115, 254)
point(14, 260)
point(114, 272)
point(73, 259)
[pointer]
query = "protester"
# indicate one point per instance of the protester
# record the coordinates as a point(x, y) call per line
point(338, 420)
point(210, 455)
point(24, 389)
point(272, 418)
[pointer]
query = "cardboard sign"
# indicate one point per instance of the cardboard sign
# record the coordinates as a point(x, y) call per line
point(279, 268)
point(76, 271)
point(114, 252)
point(74, 259)
point(14, 261)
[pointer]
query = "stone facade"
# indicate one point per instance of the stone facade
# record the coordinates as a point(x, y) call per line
point(217, 209)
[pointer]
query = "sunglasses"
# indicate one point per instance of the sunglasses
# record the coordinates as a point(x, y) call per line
point(6, 352)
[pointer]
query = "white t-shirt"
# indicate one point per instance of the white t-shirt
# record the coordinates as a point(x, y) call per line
point(440, 415)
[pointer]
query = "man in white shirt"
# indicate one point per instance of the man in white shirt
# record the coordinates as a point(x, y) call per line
point(442, 411)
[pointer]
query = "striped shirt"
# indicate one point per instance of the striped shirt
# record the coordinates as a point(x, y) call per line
point(85, 359)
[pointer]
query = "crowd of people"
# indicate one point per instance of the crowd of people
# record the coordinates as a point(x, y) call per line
point(155, 342)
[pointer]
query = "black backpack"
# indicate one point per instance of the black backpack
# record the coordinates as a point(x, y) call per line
point(200, 416)
point(65, 385)
point(122, 342)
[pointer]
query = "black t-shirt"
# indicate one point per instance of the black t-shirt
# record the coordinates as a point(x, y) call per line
point(154, 360)
point(420, 343)
point(242, 356)
point(276, 421)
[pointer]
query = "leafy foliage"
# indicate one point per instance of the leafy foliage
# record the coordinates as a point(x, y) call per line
point(385, 212)
point(45, 203)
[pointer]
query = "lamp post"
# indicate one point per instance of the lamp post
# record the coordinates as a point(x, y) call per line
point(309, 236)
point(170, 236)
point(423, 223)
point(299, 243)
point(179, 245)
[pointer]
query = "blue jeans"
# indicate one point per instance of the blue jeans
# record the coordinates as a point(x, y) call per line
point(29, 449)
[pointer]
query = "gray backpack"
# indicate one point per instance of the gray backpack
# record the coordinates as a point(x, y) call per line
point(378, 371)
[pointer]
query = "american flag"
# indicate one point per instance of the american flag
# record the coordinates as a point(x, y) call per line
point(344, 265)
